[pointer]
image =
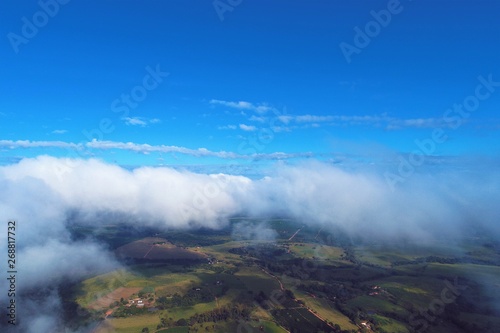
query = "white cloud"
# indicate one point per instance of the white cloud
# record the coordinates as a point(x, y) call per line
point(250, 231)
point(258, 119)
point(248, 128)
point(338, 119)
point(382, 121)
point(136, 121)
point(37, 144)
point(416, 123)
point(59, 131)
point(146, 148)
point(308, 120)
point(279, 129)
point(242, 105)
point(85, 148)
point(359, 202)
point(140, 121)
point(41, 194)
point(321, 192)
point(285, 119)
point(227, 127)
point(311, 118)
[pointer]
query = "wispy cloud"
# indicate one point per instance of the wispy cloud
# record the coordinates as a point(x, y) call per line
point(382, 121)
point(244, 127)
point(140, 121)
point(258, 119)
point(286, 119)
point(298, 121)
point(199, 152)
point(243, 105)
point(308, 118)
point(37, 144)
point(227, 127)
point(59, 131)
point(248, 128)
point(280, 129)
point(147, 149)
point(416, 123)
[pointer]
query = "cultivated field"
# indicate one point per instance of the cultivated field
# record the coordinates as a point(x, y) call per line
point(154, 248)
point(306, 281)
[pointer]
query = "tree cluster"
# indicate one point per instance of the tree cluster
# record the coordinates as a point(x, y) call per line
point(191, 298)
point(223, 313)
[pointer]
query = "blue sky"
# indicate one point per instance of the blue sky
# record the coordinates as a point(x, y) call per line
point(379, 118)
point(260, 80)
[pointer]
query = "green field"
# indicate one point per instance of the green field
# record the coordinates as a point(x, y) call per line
point(175, 330)
point(375, 304)
point(319, 252)
point(186, 312)
point(256, 280)
point(334, 284)
point(155, 248)
point(135, 324)
point(326, 309)
point(390, 325)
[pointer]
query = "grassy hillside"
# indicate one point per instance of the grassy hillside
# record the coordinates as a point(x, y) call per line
point(313, 282)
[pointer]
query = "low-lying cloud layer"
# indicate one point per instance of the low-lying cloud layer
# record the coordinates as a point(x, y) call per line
point(41, 193)
point(254, 232)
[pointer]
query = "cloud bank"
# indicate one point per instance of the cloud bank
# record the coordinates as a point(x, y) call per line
point(41, 193)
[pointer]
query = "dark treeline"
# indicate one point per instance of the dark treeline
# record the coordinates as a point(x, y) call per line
point(441, 260)
point(224, 313)
point(185, 262)
point(334, 292)
point(262, 251)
